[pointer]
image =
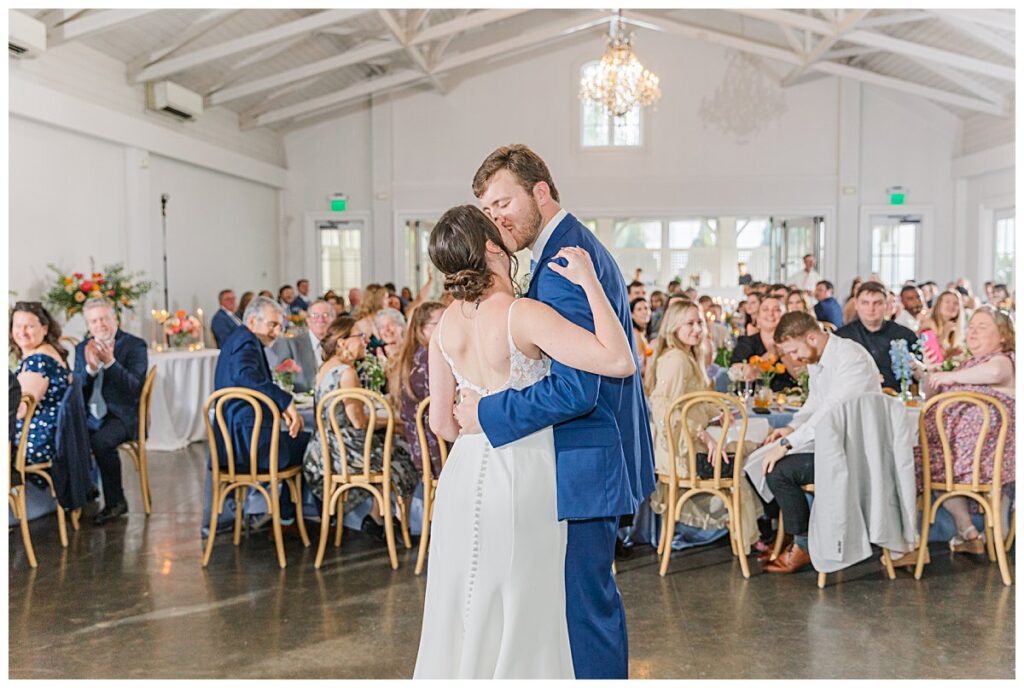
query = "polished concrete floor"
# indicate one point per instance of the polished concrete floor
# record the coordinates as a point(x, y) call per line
point(130, 600)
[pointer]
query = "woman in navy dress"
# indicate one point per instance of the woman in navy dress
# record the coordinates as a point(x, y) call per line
point(42, 372)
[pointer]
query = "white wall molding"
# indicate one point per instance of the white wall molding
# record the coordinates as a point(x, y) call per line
point(48, 106)
point(984, 162)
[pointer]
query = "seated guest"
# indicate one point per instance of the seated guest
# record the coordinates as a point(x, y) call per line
point(929, 290)
point(225, 320)
point(850, 307)
point(266, 293)
point(336, 304)
point(286, 297)
point(406, 295)
point(243, 304)
point(112, 365)
point(304, 348)
point(991, 370)
point(914, 312)
point(675, 286)
point(637, 290)
point(243, 363)
point(1001, 297)
point(343, 346)
point(355, 297)
point(872, 331)
point(658, 299)
point(641, 314)
point(840, 370)
point(750, 308)
point(827, 309)
point(13, 401)
point(797, 300)
point(42, 372)
point(302, 298)
point(691, 294)
point(677, 369)
point(946, 324)
point(779, 291)
point(408, 375)
point(763, 344)
point(391, 326)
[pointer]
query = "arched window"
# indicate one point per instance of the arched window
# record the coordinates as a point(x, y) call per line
point(600, 128)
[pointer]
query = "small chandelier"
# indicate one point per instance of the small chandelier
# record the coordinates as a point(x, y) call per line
point(620, 81)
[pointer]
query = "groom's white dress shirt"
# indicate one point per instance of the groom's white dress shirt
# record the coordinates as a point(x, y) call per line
point(545, 235)
point(845, 371)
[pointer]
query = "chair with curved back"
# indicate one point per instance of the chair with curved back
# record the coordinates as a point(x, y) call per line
point(228, 480)
point(42, 470)
point(16, 480)
point(429, 481)
point(136, 448)
point(987, 495)
point(828, 326)
point(338, 484)
point(726, 488)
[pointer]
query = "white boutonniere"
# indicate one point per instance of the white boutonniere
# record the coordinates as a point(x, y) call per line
point(524, 282)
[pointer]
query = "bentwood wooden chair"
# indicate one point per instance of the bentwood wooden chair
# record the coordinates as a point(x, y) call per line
point(988, 495)
point(136, 448)
point(429, 480)
point(227, 480)
point(16, 480)
point(726, 488)
point(338, 484)
point(827, 326)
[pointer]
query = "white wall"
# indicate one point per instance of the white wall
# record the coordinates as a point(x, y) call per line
point(792, 166)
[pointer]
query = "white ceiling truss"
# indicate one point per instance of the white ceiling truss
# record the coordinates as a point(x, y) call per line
point(278, 68)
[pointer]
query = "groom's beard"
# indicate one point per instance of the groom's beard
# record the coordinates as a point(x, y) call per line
point(531, 228)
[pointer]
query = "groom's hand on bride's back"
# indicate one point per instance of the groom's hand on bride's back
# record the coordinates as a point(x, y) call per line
point(466, 413)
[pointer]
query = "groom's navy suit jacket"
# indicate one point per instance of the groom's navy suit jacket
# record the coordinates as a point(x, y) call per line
point(604, 456)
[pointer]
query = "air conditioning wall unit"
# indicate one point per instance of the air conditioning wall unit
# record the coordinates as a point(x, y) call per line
point(174, 100)
point(26, 36)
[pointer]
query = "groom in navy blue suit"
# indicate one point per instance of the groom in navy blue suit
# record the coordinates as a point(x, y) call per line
point(604, 457)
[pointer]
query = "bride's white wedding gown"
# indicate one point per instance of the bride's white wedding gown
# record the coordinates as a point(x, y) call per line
point(495, 603)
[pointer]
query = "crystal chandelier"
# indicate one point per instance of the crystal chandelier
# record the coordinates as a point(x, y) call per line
point(620, 81)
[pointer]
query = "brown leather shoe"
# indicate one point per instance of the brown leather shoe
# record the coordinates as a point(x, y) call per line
point(791, 560)
point(766, 556)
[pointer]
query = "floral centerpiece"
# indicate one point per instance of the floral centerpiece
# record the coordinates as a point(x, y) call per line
point(285, 373)
point(371, 373)
point(180, 328)
point(71, 290)
point(902, 366)
point(768, 367)
point(297, 320)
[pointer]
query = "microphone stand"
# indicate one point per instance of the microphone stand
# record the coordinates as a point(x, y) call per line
point(163, 213)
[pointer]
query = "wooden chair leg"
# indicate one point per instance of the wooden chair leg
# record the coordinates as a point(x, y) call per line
point(821, 579)
point(240, 497)
point(404, 513)
point(927, 513)
point(424, 530)
point(275, 517)
point(670, 512)
point(890, 571)
point(1004, 567)
point(780, 535)
point(614, 570)
point(62, 526)
point(740, 543)
point(325, 527)
point(990, 546)
point(295, 487)
point(663, 534)
point(76, 517)
point(389, 533)
point(214, 512)
point(26, 536)
point(339, 513)
point(147, 503)
point(1013, 530)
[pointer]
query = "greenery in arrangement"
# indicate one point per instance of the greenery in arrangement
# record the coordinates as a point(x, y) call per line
point(371, 373)
point(71, 290)
point(723, 356)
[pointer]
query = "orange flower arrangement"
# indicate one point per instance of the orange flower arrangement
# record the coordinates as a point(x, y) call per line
point(768, 365)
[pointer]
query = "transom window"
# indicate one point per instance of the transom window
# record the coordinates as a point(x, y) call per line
point(599, 128)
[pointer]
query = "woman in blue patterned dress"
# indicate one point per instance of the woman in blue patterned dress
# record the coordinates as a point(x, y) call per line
point(42, 372)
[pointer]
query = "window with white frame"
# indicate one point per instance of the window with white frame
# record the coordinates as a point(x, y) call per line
point(754, 246)
point(1004, 225)
point(600, 128)
point(893, 248)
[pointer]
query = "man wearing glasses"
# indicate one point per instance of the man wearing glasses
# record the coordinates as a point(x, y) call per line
point(305, 348)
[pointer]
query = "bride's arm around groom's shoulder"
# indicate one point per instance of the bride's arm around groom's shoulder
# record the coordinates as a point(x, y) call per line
point(442, 394)
point(606, 351)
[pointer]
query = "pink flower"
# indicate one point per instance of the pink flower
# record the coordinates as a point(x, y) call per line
point(288, 365)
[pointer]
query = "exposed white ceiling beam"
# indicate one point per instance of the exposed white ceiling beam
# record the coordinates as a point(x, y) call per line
point(470, 21)
point(550, 32)
point(360, 53)
point(995, 19)
point(402, 36)
point(252, 41)
point(791, 38)
point(896, 18)
point(199, 27)
point(843, 53)
point(436, 49)
point(92, 23)
point(832, 68)
point(976, 31)
point(845, 25)
point(245, 66)
point(414, 21)
point(877, 40)
point(965, 82)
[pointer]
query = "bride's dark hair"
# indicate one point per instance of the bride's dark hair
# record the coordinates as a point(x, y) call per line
point(458, 248)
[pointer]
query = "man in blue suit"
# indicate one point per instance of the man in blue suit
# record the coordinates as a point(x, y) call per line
point(604, 459)
point(243, 363)
point(224, 321)
point(827, 309)
point(112, 366)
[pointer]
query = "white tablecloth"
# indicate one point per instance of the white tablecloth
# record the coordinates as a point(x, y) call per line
point(184, 379)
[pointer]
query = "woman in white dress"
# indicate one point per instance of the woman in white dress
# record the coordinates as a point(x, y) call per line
point(495, 604)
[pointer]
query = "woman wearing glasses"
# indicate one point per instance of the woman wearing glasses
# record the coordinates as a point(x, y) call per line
point(343, 346)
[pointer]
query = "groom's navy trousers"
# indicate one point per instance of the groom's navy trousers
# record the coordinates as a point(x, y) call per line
point(603, 456)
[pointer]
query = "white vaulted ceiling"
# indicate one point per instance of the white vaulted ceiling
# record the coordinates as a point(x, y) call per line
point(281, 68)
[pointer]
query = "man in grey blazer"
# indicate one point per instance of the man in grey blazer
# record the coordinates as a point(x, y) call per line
point(305, 346)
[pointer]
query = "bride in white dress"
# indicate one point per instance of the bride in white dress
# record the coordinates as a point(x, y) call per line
point(495, 602)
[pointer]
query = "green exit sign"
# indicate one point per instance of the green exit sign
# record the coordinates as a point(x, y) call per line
point(339, 204)
point(897, 198)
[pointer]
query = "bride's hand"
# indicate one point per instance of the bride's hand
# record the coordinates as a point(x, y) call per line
point(578, 269)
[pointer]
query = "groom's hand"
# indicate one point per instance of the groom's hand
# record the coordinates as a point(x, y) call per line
point(466, 413)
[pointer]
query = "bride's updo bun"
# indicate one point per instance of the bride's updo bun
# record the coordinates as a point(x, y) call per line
point(458, 249)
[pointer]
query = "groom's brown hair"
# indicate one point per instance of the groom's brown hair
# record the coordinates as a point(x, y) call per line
point(525, 165)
